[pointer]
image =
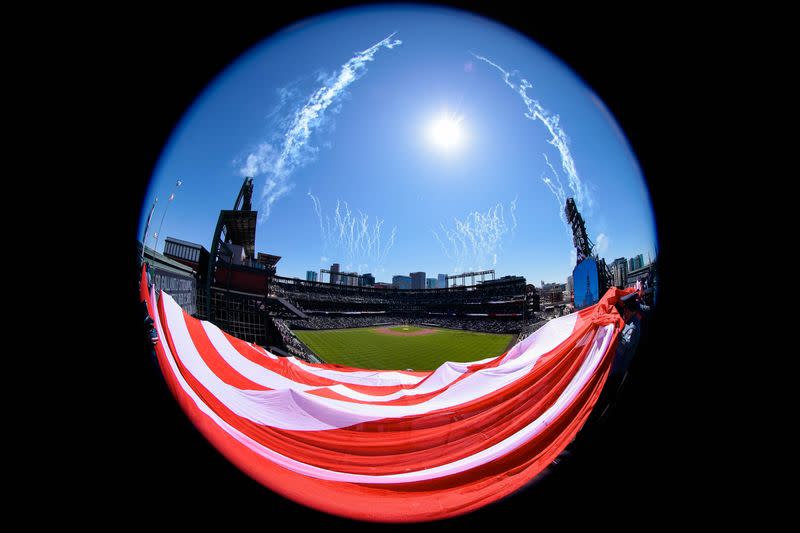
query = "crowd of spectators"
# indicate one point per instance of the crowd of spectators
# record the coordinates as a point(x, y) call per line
point(301, 293)
point(344, 321)
point(310, 295)
point(480, 324)
point(530, 327)
point(293, 344)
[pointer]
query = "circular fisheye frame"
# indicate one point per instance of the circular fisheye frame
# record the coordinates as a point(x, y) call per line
point(382, 267)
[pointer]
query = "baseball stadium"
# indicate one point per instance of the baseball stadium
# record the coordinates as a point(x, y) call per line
point(360, 400)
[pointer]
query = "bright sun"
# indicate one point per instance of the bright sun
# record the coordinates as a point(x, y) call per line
point(445, 132)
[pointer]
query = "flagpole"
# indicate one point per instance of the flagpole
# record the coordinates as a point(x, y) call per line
point(163, 215)
point(147, 226)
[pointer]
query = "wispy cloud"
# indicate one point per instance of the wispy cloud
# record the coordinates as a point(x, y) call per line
point(354, 238)
point(601, 243)
point(558, 139)
point(278, 162)
point(475, 242)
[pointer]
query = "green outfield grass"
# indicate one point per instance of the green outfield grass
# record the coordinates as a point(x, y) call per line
point(366, 348)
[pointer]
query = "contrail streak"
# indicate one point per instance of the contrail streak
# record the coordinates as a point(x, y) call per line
point(557, 188)
point(352, 238)
point(278, 164)
point(558, 139)
point(475, 242)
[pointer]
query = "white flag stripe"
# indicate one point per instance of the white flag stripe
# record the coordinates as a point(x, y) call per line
point(360, 377)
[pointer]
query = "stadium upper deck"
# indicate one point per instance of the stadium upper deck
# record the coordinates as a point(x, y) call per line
point(509, 297)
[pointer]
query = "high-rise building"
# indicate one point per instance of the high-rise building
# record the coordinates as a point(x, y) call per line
point(619, 271)
point(441, 282)
point(569, 294)
point(367, 280)
point(349, 278)
point(335, 273)
point(401, 282)
point(635, 263)
point(418, 280)
point(311, 275)
point(430, 283)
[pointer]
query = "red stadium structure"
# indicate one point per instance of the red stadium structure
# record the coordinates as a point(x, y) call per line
point(388, 446)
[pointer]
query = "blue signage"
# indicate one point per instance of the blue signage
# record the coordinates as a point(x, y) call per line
point(585, 281)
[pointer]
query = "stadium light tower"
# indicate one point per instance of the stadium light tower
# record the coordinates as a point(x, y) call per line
point(169, 201)
point(584, 247)
point(237, 226)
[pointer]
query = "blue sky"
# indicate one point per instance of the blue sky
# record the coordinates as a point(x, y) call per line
point(482, 204)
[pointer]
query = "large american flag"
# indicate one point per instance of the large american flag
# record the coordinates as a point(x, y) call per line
point(388, 446)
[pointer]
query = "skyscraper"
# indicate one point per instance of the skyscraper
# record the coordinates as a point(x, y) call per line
point(401, 282)
point(635, 263)
point(619, 270)
point(569, 294)
point(442, 281)
point(430, 283)
point(311, 275)
point(367, 280)
point(418, 280)
point(335, 273)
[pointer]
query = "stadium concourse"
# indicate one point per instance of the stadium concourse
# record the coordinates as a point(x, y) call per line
point(388, 446)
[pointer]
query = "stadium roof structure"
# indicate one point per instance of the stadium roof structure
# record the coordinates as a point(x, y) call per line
point(185, 243)
point(163, 262)
point(240, 229)
point(391, 445)
point(268, 259)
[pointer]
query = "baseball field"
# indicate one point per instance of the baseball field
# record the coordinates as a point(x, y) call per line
point(401, 347)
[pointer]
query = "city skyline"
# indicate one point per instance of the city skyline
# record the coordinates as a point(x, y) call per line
point(370, 165)
point(611, 265)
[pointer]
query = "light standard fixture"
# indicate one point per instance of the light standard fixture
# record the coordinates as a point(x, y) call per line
point(169, 201)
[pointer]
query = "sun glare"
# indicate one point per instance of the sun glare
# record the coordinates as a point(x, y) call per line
point(445, 132)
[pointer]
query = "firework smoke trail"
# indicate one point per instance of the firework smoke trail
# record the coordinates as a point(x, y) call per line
point(295, 151)
point(558, 139)
point(475, 242)
point(557, 188)
point(352, 237)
